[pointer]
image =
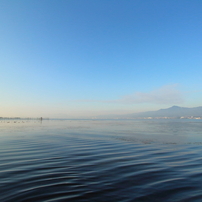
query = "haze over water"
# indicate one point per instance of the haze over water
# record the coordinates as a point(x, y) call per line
point(101, 160)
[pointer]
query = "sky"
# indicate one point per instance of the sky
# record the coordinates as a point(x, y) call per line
point(76, 58)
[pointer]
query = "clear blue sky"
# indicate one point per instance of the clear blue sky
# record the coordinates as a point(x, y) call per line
point(71, 58)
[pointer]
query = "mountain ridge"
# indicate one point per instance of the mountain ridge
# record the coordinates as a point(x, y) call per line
point(174, 112)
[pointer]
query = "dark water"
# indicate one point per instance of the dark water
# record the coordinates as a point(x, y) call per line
point(80, 160)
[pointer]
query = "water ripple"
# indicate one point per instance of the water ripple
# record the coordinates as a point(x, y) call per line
point(76, 167)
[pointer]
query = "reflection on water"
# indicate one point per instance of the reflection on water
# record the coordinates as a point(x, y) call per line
point(101, 160)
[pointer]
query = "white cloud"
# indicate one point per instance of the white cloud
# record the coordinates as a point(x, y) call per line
point(168, 94)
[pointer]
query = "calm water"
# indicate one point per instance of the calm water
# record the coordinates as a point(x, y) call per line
point(107, 160)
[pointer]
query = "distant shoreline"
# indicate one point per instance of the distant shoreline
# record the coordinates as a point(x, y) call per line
point(102, 119)
point(21, 118)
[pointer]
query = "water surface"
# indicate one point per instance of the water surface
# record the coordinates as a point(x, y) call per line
point(101, 160)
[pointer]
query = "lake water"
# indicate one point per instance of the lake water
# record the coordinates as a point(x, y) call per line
point(101, 160)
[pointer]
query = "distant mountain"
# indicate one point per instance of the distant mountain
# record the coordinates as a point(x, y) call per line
point(174, 111)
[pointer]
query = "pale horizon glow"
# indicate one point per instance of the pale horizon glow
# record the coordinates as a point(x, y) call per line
point(72, 59)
